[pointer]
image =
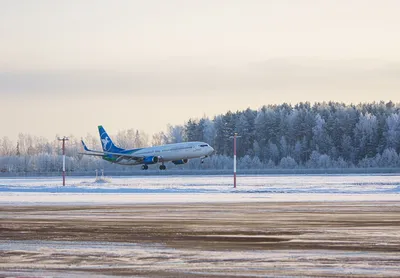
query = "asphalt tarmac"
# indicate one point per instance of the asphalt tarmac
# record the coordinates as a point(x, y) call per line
point(260, 239)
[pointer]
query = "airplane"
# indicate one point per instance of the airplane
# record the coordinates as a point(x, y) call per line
point(178, 153)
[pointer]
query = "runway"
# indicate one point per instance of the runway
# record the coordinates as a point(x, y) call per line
point(257, 239)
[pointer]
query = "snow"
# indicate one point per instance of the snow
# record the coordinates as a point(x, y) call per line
point(60, 258)
point(172, 189)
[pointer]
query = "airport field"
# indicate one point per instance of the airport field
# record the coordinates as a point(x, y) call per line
point(270, 226)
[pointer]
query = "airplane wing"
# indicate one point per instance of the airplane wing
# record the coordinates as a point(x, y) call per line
point(120, 156)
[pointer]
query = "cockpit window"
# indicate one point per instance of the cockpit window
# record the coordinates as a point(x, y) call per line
point(204, 145)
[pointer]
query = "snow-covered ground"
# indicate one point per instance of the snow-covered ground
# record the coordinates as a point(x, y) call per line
point(158, 189)
point(333, 239)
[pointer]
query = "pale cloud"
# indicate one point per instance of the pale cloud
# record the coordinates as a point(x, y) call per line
point(114, 34)
point(144, 64)
point(281, 74)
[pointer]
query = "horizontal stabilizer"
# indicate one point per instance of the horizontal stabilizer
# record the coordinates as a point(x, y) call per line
point(85, 147)
point(93, 154)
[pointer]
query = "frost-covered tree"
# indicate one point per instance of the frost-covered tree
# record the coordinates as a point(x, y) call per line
point(392, 134)
point(131, 138)
point(6, 147)
point(270, 164)
point(256, 163)
point(159, 139)
point(245, 162)
point(321, 135)
point(321, 139)
point(287, 163)
point(245, 130)
point(273, 152)
point(208, 131)
point(285, 149)
point(297, 152)
point(389, 158)
point(366, 136)
point(175, 133)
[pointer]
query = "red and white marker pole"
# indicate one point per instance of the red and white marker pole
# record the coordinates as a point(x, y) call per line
point(63, 149)
point(234, 158)
point(234, 161)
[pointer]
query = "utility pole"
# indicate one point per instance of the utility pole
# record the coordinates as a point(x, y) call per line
point(234, 158)
point(63, 139)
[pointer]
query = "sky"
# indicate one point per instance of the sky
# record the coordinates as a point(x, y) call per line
point(68, 66)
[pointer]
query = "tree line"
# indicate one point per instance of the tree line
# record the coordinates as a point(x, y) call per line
point(320, 135)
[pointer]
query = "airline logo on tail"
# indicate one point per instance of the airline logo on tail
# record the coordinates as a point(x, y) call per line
point(105, 141)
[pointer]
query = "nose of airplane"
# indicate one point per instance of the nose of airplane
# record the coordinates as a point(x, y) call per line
point(211, 150)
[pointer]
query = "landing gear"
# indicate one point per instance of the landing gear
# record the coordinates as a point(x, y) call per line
point(202, 161)
point(145, 167)
point(163, 167)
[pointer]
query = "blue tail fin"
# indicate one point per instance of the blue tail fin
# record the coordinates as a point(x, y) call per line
point(107, 143)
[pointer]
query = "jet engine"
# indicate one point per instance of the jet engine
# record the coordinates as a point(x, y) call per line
point(180, 161)
point(150, 160)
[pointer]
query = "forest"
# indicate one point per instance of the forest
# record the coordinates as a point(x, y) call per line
point(327, 135)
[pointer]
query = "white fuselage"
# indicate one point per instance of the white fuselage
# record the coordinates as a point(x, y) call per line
point(172, 152)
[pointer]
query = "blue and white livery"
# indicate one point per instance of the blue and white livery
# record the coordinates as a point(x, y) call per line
point(178, 153)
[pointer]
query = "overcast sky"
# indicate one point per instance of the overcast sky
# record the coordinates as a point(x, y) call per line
point(68, 66)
